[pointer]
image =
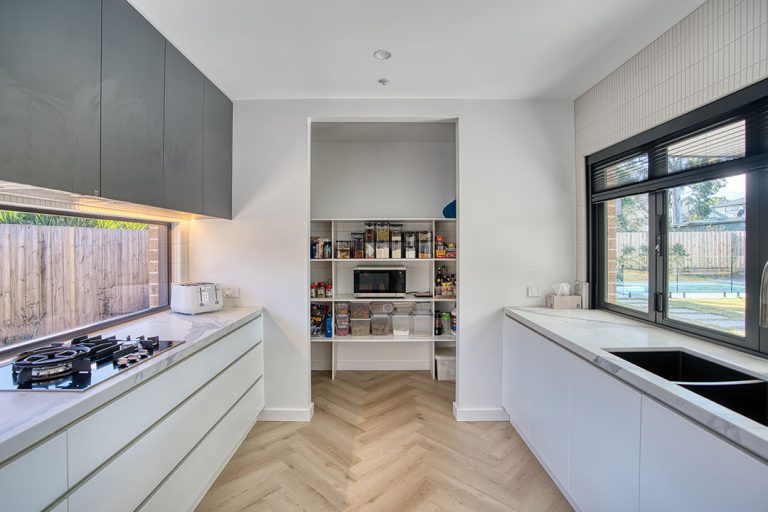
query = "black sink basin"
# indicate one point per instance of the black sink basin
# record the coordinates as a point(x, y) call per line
point(735, 390)
point(679, 366)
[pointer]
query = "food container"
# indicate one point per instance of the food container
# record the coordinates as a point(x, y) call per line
point(445, 360)
point(342, 308)
point(342, 319)
point(382, 250)
point(396, 237)
point(360, 310)
point(440, 248)
point(370, 240)
point(358, 245)
point(360, 327)
point(382, 239)
point(342, 329)
point(380, 325)
point(401, 324)
point(343, 249)
point(423, 307)
point(381, 307)
point(410, 247)
point(423, 324)
point(404, 307)
point(425, 244)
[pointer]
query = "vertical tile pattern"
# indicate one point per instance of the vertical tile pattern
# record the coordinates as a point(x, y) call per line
point(717, 49)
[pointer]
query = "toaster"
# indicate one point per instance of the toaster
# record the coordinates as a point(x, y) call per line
point(194, 298)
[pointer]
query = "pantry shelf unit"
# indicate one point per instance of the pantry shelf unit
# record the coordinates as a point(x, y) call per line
point(420, 277)
point(384, 339)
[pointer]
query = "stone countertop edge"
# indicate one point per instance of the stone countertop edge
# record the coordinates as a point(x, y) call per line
point(28, 418)
point(554, 325)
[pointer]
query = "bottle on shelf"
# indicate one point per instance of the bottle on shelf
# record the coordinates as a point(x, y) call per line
point(438, 324)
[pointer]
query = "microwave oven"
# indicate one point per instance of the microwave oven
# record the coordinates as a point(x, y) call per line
point(379, 282)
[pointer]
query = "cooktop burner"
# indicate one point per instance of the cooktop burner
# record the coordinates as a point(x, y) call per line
point(79, 364)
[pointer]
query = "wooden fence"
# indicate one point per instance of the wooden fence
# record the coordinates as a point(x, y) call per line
point(707, 251)
point(56, 278)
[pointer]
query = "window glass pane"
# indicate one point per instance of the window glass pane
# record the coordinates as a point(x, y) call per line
point(626, 258)
point(626, 172)
point(60, 273)
point(718, 145)
point(706, 246)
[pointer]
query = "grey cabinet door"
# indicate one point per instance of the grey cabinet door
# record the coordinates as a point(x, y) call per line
point(133, 89)
point(50, 93)
point(217, 162)
point(183, 175)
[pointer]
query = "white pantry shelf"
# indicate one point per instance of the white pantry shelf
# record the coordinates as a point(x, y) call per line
point(421, 276)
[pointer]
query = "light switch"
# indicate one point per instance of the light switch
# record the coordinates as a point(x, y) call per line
point(231, 292)
point(534, 291)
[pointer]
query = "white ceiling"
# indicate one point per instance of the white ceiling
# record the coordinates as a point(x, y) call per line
point(442, 48)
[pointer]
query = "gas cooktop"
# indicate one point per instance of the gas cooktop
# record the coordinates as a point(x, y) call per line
point(79, 364)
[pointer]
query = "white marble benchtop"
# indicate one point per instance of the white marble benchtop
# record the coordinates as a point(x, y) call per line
point(591, 333)
point(27, 417)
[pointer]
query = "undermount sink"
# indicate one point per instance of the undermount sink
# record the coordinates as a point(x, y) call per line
point(735, 390)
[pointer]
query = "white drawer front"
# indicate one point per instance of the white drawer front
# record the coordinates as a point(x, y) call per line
point(136, 472)
point(35, 479)
point(189, 483)
point(120, 422)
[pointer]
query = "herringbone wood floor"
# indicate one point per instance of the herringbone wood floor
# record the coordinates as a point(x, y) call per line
point(383, 441)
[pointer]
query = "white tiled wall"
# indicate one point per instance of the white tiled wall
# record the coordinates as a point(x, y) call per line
point(719, 48)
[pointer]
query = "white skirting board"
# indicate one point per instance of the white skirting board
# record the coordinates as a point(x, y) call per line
point(287, 414)
point(379, 364)
point(479, 414)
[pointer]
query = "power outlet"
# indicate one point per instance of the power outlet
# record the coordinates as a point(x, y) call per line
point(534, 291)
point(231, 292)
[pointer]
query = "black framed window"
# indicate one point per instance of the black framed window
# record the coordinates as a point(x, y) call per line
point(64, 275)
point(678, 222)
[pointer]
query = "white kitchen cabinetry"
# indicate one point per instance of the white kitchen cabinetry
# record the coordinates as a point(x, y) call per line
point(517, 350)
point(604, 461)
point(38, 477)
point(139, 409)
point(144, 464)
point(684, 467)
point(611, 448)
point(549, 377)
point(189, 482)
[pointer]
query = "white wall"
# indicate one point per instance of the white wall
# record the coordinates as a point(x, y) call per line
point(516, 201)
point(719, 48)
point(382, 179)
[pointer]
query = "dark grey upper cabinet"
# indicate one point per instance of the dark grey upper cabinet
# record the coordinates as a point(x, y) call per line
point(183, 175)
point(133, 89)
point(49, 93)
point(217, 167)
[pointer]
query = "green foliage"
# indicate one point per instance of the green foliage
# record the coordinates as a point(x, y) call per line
point(703, 198)
point(633, 214)
point(43, 219)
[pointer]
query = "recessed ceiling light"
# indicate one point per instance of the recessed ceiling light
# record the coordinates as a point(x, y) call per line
point(382, 54)
point(384, 81)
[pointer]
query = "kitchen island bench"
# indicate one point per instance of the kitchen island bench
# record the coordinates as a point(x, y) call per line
point(150, 431)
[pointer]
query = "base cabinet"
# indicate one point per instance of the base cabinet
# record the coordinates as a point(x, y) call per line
point(611, 448)
point(158, 446)
point(604, 441)
point(684, 467)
